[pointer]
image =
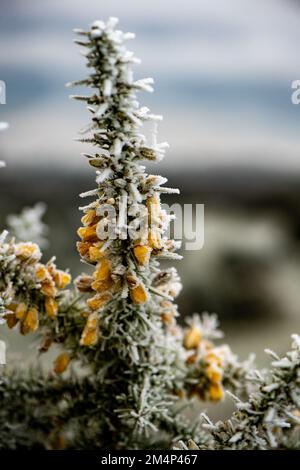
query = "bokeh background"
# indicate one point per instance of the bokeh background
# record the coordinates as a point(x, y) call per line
point(223, 73)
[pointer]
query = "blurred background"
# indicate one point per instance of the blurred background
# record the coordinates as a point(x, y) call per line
point(223, 73)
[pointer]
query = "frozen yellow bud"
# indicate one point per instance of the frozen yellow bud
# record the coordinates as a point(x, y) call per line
point(102, 286)
point(98, 301)
point(102, 275)
point(29, 252)
point(167, 318)
point(154, 239)
point(192, 337)
point(214, 373)
point(89, 335)
point(61, 363)
point(139, 294)
point(212, 358)
point(83, 248)
point(11, 320)
point(102, 271)
point(30, 322)
point(95, 253)
point(61, 279)
point(21, 311)
point(88, 234)
point(48, 288)
point(89, 217)
point(154, 211)
point(216, 392)
point(142, 254)
point(51, 268)
point(12, 307)
point(41, 272)
point(51, 307)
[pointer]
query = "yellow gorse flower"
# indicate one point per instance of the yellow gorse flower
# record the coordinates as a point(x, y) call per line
point(139, 294)
point(216, 391)
point(88, 234)
point(154, 214)
point(61, 363)
point(98, 301)
point(142, 254)
point(52, 280)
point(89, 335)
point(94, 252)
point(28, 252)
point(11, 320)
point(102, 275)
point(214, 359)
point(21, 311)
point(61, 279)
point(41, 272)
point(214, 373)
point(30, 322)
point(51, 306)
point(90, 218)
point(83, 248)
point(193, 337)
point(102, 271)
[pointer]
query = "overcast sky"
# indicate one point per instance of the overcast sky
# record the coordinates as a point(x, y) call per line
point(223, 73)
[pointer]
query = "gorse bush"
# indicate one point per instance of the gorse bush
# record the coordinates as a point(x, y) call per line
point(126, 371)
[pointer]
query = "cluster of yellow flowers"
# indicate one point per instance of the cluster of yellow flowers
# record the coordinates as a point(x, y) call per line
point(103, 284)
point(46, 281)
point(144, 247)
point(214, 360)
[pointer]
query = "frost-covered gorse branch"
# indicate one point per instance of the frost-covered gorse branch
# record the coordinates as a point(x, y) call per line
point(118, 323)
point(269, 419)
